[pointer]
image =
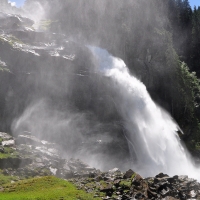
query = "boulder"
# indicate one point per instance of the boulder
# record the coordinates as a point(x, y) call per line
point(139, 187)
point(8, 143)
point(128, 174)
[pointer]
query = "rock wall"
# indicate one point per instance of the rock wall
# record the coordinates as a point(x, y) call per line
point(50, 88)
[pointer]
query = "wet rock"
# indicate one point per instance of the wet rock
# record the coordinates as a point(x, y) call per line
point(172, 180)
point(5, 136)
point(139, 195)
point(192, 194)
point(107, 189)
point(27, 139)
point(152, 194)
point(117, 182)
point(8, 143)
point(128, 174)
point(14, 162)
point(141, 185)
point(99, 178)
point(161, 175)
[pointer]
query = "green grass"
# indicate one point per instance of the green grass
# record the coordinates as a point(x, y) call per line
point(8, 153)
point(44, 188)
point(4, 179)
point(45, 24)
point(125, 183)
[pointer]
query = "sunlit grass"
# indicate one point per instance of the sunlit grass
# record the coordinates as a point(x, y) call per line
point(44, 188)
point(5, 179)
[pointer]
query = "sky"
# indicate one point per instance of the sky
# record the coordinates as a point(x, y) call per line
point(194, 3)
point(19, 3)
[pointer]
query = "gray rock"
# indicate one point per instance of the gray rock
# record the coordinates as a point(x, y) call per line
point(27, 139)
point(12, 21)
point(193, 194)
point(8, 143)
point(5, 136)
point(128, 174)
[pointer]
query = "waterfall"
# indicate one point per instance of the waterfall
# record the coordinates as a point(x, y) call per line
point(150, 131)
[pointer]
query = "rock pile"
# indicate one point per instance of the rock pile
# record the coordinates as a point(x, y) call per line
point(116, 185)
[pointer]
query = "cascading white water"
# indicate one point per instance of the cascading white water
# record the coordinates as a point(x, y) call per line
point(151, 132)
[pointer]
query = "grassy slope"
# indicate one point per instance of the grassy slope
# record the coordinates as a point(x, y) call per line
point(8, 153)
point(44, 188)
point(4, 179)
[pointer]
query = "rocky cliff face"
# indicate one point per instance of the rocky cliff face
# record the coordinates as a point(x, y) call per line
point(137, 31)
point(49, 87)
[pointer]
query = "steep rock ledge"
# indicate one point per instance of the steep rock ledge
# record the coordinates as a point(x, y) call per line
point(47, 67)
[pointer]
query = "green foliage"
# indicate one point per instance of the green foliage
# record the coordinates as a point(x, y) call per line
point(6, 179)
point(189, 94)
point(133, 176)
point(9, 153)
point(125, 183)
point(45, 24)
point(44, 188)
point(189, 88)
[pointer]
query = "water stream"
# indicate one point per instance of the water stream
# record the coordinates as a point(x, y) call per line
point(151, 131)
